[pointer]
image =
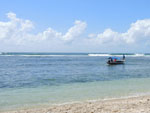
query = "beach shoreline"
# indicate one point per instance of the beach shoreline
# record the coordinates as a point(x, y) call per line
point(136, 104)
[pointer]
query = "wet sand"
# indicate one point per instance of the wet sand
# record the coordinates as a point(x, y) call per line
point(125, 105)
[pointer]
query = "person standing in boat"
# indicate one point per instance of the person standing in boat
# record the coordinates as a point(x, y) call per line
point(123, 57)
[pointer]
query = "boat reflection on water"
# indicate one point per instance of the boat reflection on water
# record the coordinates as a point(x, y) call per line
point(116, 60)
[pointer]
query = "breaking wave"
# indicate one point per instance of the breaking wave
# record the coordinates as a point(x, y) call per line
point(128, 55)
point(73, 54)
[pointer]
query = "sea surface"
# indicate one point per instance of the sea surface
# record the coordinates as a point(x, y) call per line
point(41, 79)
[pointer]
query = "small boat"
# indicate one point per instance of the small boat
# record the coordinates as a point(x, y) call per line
point(116, 60)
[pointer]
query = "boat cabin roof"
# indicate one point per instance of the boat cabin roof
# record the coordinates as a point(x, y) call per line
point(117, 58)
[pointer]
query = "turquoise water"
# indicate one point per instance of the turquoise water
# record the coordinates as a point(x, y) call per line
point(29, 80)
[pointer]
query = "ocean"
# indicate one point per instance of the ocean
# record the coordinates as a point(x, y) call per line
point(42, 79)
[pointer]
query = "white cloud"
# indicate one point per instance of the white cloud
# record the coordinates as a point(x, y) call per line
point(18, 33)
point(11, 16)
point(108, 36)
point(15, 30)
point(139, 32)
point(75, 31)
point(49, 34)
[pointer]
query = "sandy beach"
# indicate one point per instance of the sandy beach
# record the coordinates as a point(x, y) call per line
point(125, 105)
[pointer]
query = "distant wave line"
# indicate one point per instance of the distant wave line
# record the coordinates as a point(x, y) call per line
point(85, 54)
point(41, 55)
point(132, 55)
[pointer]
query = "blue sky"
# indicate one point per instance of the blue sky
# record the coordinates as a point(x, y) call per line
point(96, 19)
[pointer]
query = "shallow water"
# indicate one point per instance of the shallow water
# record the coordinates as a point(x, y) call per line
point(30, 80)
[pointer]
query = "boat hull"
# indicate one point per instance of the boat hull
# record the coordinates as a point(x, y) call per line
point(116, 62)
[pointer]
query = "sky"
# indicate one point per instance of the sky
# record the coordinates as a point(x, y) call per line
point(114, 26)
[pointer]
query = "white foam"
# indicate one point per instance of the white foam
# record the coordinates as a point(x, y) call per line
point(99, 55)
point(42, 55)
point(139, 54)
point(133, 55)
point(59, 55)
point(136, 95)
